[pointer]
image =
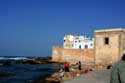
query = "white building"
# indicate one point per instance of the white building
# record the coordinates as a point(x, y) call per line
point(78, 42)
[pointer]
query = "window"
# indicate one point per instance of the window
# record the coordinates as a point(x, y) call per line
point(91, 44)
point(80, 46)
point(77, 38)
point(86, 46)
point(106, 40)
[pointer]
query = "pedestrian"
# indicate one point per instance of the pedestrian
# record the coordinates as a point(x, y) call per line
point(118, 71)
point(79, 65)
point(66, 67)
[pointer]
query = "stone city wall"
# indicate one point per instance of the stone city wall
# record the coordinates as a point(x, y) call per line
point(60, 54)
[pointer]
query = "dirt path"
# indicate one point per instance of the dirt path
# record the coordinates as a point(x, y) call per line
point(99, 76)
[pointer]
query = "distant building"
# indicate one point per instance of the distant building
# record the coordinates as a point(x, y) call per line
point(68, 41)
point(72, 41)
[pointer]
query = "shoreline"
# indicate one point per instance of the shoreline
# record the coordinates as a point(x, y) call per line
point(54, 77)
point(68, 76)
point(42, 79)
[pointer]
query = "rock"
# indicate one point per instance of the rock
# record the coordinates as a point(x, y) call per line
point(55, 75)
point(53, 79)
point(86, 71)
point(78, 75)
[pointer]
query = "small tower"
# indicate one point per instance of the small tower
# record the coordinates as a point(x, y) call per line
point(109, 45)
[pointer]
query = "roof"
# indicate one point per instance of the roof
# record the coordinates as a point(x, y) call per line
point(72, 34)
point(109, 30)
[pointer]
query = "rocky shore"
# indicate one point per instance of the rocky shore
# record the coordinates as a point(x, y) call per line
point(43, 80)
point(29, 60)
point(55, 77)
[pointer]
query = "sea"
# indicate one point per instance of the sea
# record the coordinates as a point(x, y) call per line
point(25, 73)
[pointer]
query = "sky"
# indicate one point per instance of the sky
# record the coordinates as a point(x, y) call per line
point(32, 27)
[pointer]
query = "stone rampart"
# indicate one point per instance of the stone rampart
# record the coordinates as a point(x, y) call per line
point(60, 54)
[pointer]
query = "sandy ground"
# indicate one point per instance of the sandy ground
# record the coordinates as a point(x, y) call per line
point(98, 76)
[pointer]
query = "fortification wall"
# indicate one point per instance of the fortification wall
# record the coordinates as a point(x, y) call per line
point(60, 54)
point(57, 54)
